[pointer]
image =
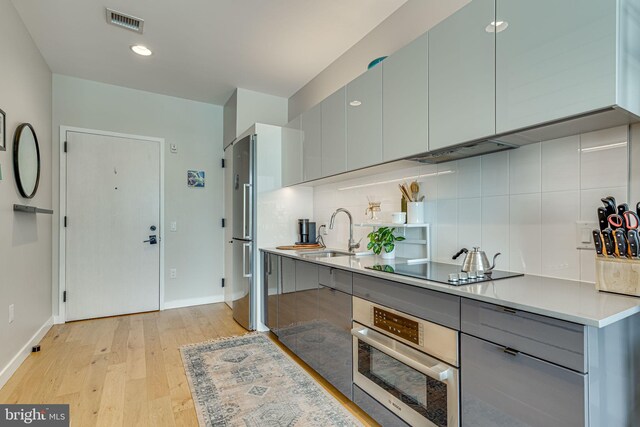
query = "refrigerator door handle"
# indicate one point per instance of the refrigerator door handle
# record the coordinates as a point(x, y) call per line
point(246, 234)
point(244, 260)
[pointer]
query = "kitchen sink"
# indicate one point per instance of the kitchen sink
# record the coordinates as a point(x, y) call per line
point(328, 253)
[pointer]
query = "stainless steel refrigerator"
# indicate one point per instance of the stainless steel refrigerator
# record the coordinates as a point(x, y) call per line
point(243, 225)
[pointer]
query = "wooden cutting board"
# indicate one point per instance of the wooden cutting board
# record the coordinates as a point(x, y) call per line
point(298, 247)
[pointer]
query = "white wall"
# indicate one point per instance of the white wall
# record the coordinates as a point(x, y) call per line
point(25, 239)
point(523, 203)
point(195, 250)
point(410, 21)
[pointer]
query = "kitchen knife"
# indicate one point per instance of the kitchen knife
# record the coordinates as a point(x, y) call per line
point(622, 208)
point(609, 204)
point(602, 218)
point(620, 237)
point(609, 244)
point(634, 243)
point(597, 241)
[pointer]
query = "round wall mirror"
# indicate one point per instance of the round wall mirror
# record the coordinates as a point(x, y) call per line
point(26, 160)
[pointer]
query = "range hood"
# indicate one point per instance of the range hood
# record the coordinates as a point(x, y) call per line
point(595, 120)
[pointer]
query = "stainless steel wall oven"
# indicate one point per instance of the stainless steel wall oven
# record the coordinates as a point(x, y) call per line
point(408, 364)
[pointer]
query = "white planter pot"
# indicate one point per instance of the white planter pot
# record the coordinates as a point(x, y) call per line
point(388, 255)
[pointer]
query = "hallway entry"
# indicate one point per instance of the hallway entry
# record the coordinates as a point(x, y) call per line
point(112, 245)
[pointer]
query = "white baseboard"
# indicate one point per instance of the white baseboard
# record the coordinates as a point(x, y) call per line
point(193, 301)
point(58, 320)
point(17, 360)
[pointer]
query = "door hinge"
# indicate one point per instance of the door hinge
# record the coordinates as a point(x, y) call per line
point(65, 146)
point(223, 165)
point(224, 222)
point(223, 282)
point(65, 221)
point(64, 296)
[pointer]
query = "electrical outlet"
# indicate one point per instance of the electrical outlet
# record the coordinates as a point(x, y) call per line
point(173, 226)
point(584, 234)
point(11, 313)
point(325, 229)
point(173, 273)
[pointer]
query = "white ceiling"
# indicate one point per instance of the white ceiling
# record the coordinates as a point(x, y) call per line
point(202, 49)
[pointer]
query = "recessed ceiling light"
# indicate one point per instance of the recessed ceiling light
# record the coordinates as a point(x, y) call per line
point(496, 26)
point(141, 50)
point(355, 103)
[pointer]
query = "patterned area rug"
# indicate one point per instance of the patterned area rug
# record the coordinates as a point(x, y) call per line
point(250, 381)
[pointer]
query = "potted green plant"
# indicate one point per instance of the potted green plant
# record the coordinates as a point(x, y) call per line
point(383, 241)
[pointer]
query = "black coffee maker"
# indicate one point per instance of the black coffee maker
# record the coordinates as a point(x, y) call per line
point(306, 232)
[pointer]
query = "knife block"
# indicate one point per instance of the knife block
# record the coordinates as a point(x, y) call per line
point(618, 275)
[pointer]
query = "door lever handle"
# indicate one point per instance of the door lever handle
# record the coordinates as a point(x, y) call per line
point(153, 240)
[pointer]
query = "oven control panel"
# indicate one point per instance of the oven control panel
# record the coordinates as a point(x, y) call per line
point(397, 325)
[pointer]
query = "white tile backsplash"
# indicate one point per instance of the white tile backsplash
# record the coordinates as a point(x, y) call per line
point(560, 211)
point(561, 164)
point(604, 159)
point(495, 174)
point(525, 233)
point(523, 203)
point(470, 177)
point(495, 229)
point(524, 170)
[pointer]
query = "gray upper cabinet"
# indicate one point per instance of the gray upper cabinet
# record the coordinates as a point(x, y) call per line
point(311, 126)
point(405, 105)
point(462, 76)
point(364, 120)
point(553, 60)
point(291, 153)
point(334, 133)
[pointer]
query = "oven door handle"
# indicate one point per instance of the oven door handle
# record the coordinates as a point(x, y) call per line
point(438, 371)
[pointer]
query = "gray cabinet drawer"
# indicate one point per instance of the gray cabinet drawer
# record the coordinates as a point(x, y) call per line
point(337, 279)
point(500, 389)
point(375, 409)
point(550, 339)
point(430, 305)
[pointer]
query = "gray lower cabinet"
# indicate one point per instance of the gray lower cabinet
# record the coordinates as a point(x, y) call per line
point(334, 359)
point(436, 307)
point(287, 304)
point(305, 326)
point(504, 388)
point(376, 410)
point(272, 288)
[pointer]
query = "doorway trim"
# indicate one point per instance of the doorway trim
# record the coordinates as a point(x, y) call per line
point(62, 237)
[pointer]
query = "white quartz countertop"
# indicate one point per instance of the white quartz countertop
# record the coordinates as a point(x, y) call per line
point(577, 302)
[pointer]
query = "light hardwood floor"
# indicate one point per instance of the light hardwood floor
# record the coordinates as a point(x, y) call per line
point(127, 370)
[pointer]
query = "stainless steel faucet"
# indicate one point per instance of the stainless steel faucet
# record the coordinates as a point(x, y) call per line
point(352, 244)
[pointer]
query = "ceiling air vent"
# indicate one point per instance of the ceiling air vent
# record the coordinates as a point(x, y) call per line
point(123, 20)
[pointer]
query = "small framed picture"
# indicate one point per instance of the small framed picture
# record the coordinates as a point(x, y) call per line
point(3, 131)
point(195, 179)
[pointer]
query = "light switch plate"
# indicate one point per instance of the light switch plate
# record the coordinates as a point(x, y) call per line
point(173, 148)
point(173, 226)
point(584, 234)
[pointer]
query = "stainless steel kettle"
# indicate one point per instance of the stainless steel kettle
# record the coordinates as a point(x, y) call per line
point(476, 260)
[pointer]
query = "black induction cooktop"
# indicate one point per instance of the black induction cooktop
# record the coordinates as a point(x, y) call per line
point(449, 274)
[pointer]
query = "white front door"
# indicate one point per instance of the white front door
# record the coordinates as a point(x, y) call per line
point(112, 206)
